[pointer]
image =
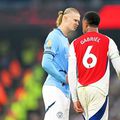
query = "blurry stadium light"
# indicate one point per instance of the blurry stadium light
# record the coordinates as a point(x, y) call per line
point(110, 17)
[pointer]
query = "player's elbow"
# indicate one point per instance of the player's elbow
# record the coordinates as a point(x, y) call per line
point(44, 65)
point(47, 62)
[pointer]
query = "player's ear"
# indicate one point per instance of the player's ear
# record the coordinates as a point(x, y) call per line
point(65, 17)
point(86, 24)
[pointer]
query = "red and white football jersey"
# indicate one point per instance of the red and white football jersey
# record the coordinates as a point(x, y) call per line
point(89, 60)
point(91, 53)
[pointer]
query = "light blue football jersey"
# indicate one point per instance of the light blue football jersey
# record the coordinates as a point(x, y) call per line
point(55, 60)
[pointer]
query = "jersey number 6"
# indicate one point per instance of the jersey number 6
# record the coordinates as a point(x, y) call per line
point(89, 59)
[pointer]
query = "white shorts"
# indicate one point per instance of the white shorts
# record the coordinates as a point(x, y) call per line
point(95, 104)
point(57, 105)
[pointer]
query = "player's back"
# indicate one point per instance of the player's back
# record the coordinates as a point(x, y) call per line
point(91, 51)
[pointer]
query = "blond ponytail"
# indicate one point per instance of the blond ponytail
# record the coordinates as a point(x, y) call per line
point(59, 18)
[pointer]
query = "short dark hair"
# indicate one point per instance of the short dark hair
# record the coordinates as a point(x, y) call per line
point(92, 18)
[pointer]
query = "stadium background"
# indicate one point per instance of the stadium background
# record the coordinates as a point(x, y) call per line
point(24, 25)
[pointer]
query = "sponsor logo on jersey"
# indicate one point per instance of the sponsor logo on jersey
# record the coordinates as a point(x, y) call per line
point(48, 44)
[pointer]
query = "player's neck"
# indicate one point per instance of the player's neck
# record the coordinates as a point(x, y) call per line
point(92, 29)
point(64, 30)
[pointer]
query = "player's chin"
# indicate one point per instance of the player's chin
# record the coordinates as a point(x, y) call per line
point(74, 29)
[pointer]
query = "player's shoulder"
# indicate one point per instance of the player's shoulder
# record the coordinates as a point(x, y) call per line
point(109, 39)
point(53, 35)
point(104, 35)
point(76, 40)
point(88, 35)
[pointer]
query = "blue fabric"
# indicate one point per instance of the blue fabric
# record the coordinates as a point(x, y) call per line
point(101, 112)
point(55, 60)
point(49, 67)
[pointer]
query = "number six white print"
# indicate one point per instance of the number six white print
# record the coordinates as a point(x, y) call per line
point(87, 56)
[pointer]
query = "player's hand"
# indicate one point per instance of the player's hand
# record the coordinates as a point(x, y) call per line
point(78, 107)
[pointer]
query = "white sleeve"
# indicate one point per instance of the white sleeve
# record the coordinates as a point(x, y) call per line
point(72, 76)
point(113, 54)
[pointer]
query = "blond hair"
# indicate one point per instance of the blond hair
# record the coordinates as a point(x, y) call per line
point(61, 13)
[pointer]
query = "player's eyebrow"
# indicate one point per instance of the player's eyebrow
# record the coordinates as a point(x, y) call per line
point(77, 20)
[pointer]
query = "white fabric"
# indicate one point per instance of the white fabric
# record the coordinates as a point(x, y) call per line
point(103, 83)
point(114, 56)
point(58, 111)
point(72, 74)
point(116, 65)
point(92, 100)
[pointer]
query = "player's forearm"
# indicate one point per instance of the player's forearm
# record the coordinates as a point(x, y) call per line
point(116, 65)
point(72, 80)
point(73, 94)
point(72, 76)
point(73, 84)
point(113, 54)
point(47, 64)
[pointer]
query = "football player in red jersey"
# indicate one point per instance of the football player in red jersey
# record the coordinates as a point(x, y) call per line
point(88, 72)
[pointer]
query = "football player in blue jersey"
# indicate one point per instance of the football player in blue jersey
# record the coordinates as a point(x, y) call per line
point(56, 94)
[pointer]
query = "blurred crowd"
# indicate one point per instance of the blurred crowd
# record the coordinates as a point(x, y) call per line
point(21, 79)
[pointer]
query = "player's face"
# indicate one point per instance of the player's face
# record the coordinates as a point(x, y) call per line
point(72, 21)
point(84, 26)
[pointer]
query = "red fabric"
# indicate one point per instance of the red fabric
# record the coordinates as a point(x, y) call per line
point(99, 49)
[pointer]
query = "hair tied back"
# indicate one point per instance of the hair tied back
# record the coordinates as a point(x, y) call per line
point(60, 13)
